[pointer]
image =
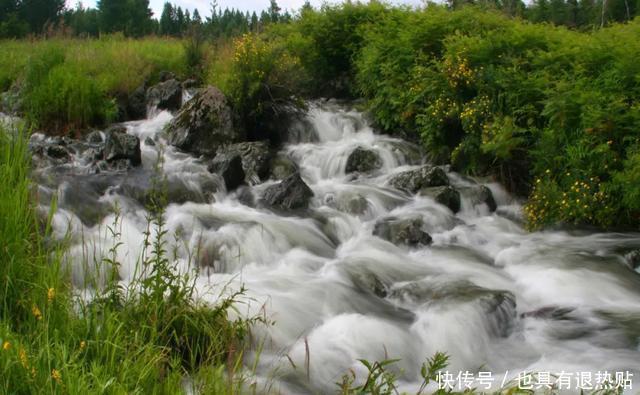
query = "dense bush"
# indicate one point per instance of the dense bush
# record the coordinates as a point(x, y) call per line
point(550, 112)
point(261, 78)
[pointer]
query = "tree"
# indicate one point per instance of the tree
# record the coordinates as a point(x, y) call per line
point(138, 18)
point(38, 13)
point(113, 15)
point(196, 17)
point(167, 23)
point(274, 11)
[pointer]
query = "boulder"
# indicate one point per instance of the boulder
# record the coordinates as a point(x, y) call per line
point(632, 258)
point(256, 159)
point(480, 194)
point(121, 146)
point(166, 95)
point(402, 231)
point(136, 106)
point(94, 137)
point(290, 194)
point(424, 177)
point(165, 75)
point(204, 124)
point(363, 160)
point(446, 195)
point(229, 167)
point(282, 167)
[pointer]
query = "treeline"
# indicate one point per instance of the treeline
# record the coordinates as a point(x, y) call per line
point(133, 18)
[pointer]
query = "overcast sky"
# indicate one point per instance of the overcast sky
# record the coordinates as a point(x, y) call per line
point(203, 6)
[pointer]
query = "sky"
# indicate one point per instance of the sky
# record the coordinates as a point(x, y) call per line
point(204, 7)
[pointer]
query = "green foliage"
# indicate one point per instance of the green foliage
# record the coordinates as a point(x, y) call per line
point(518, 101)
point(261, 78)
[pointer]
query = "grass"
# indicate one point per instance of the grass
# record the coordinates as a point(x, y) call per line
point(148, 341)
point(70, 84)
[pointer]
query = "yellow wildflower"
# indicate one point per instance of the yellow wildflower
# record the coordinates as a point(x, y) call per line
point(36, 312)
point(6, 346)
point(83, 344)
point(51, 294)
point(55, 375)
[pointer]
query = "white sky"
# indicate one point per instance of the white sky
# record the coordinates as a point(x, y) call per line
point(203, 6)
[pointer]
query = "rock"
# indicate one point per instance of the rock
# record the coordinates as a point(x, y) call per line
point(356, 205)
point(402, 231)
point(57, 152)
point(282, 167)
point(149, 141)
point(480, 194)
point(121, 146)
point(166, 95)
point(204, 124)
point(363, 160)
point(136, 106)
point(447, 196)
point(290, 194)
point(165, 75)
point(189, 84)
point(229, 167)
point(633, 259)
point(256, 159)
point(414, 180)
point(94, 137)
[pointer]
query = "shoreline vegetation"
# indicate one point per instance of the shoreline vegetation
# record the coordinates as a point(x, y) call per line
point(552, 112)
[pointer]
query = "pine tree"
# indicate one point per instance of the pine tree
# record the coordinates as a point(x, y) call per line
point(113, 15)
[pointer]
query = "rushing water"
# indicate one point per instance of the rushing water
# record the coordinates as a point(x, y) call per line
point(493, 296)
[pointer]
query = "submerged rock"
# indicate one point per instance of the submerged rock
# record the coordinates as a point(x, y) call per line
point(229, 167)
point(256, 159)
point(291, 193)
point(480, 194)
point(363, 160)
point(446, 195)
point(414, 180)
point(282, 167)
point(204, 124)
point(121, 146)
point(166, 95)
point(402, 231)
point(136, 105)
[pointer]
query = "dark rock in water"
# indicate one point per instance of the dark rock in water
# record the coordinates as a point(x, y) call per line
point(57, 152)
point(204, 124)
point(166, 95)
point(149, 141)
point(633, 259)
point(402, 231)
point(94, 137)
point(356, 205)
point(368, 282)
point(446, 196)
point(189, 84)
point(165, 75)
point(139, 185)
point(363, 161)
point(229, 167)
point(245, 196)
point(291, 193)
point(498, 305)
point(256, 159)
point(480, 194)
point(282, 167)
point(121, 146)
point(137, 103)
point(414, 180)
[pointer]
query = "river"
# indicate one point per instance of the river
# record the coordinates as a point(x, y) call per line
point(493, 296)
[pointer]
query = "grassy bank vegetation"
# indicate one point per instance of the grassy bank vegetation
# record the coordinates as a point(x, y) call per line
point(69, 84)
point(156, 340)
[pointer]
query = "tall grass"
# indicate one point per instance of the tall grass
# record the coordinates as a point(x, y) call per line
point(154, 340)
point(71, 84)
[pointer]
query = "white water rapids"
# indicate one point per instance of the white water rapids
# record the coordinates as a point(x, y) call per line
point(493, 296)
